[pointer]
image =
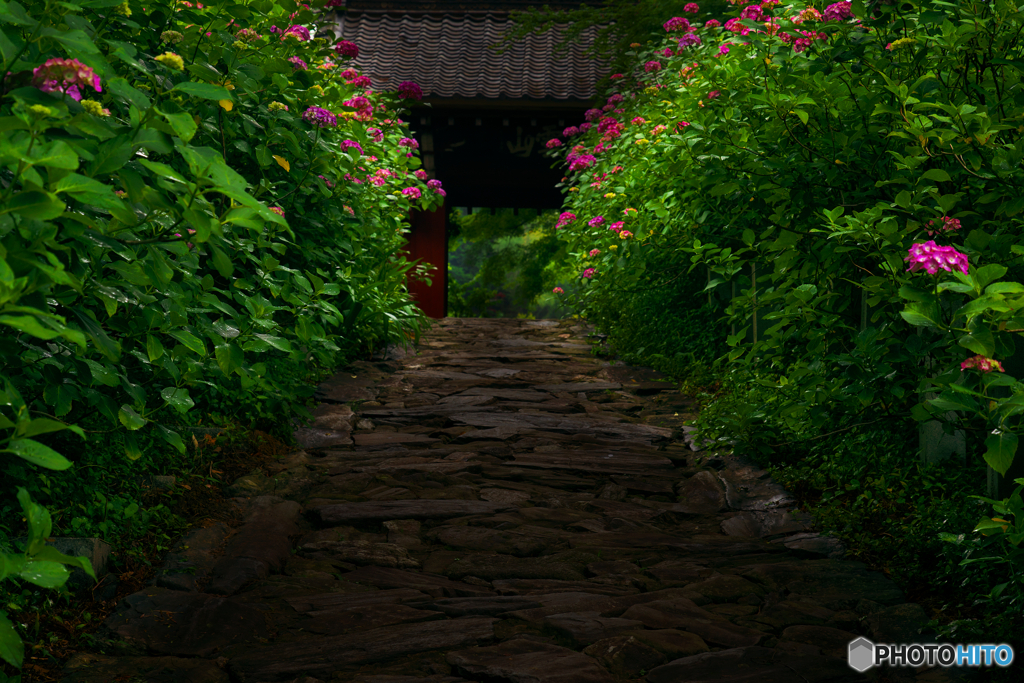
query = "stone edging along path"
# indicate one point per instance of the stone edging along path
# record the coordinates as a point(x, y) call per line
point(504, 507)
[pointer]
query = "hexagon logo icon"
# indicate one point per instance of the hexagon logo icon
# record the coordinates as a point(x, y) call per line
point(861, 655)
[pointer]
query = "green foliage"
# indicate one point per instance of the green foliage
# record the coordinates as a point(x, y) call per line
point(504, 265)
point(176, 237)
point(785, 184)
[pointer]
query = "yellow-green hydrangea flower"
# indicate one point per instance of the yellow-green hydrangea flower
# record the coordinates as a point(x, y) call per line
point(171, 61)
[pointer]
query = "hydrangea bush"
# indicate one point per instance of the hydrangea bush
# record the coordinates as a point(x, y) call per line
point(189, 211)
point(845, 193)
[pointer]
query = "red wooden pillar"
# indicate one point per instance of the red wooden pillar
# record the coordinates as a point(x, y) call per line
point(428, 243)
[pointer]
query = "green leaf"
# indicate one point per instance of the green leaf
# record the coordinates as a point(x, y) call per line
point(57, 154)
point(121, 88)
point(279, 343)
point(981, 342)
point(29, 324)
point(45, 574)
point(129, 418)
point(74, 41)
point(154, 349)
point(221, 262)
point(936, 174)
point(60, 396)
point(1001, 449)
point(163, 170)
point(107, 346)
point(802, 115)
point(172, 438)
point(131, 447)
point(53, 555)
point(207, 91)
point(37, 454)
point(89, 191)
point(190, 341)
point(183, 125)
point(903, 200)
point(34, 204)
point(12, 650)
point(111, 156)
point(178, 398)
point(1005, 288)
point(229, 357)
point(43, 425)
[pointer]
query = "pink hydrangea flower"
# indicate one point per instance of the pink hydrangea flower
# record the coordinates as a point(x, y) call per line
point(735, 25)
point(723, 50)
point(625, 234)
point(553, 142)
point(713, 94)
point(589, 273)
point(298, 63)
point(351, 144)
point(691, 8)
point(616, 226)
point(376, 133)
point(839, 11)
point(676, 24)
point(435, 185)
point(592, 115)
point(595, 221)
point(300, 32)
point(408, 142)
point(412, 192)
point(982, 364)
point(558, 290)
point(594, 252)
point(807, 14)
point(346, 48)
point(948, 225)
point(752, 12)
point(278, 210)
point(638, 121)
point(584, 127)
point(570, 131)
point(931, 257)
point(712, 23)
point(689, 40)
point(421, 174)
point(564, 219)
point(582, 162)
point(652, 66)
point(65, 76)
point(320, 117)
point(408, 90)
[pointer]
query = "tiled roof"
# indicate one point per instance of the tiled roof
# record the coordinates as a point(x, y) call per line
point(449, 56)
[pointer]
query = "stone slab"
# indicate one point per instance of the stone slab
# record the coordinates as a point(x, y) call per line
point(524, 661)
point(754, 665)
point(349, 513)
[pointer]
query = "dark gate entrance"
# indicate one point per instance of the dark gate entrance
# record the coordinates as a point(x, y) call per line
point(485, 116)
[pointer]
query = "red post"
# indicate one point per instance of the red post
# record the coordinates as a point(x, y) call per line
point(428, 243)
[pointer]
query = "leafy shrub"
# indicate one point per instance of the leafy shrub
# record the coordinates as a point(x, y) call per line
point(198, 204)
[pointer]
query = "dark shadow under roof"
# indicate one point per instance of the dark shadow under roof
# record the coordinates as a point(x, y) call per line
point(449, 55)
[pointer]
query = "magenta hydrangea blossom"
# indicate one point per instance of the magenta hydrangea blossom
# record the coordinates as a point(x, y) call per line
point(552, 143)
point(689, 40)
point(723, 50)
point(840, 11)
point(616, 226)
point(652, 66)
point(948, 225)
point(346, 48)
point(592, 115)
point(931, 257)
point(412, 192)
point(594, 252)
point(320, 117)
point(982, 364)
point(676, 24)
point(65, 76)
point(752, 12)
point(558, 290)
point(714, 94)
point(421, 174)
point(736, 26)
point(300, 32)
point(408, 90)
point(582, 162)
point(351, 144)
point(638, 121)
point(570, 131)
point(298, 63)
point(584, 127)
point(564, 219)
point(376, 133)
point(712, 23)
point(589, 273)
point(595, 221)
point(691, 8)
point(408, 142)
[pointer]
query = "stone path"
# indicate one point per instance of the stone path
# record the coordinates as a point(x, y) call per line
point(502, 507)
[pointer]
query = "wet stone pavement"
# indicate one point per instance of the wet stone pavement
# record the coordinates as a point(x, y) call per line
point(500, 506)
